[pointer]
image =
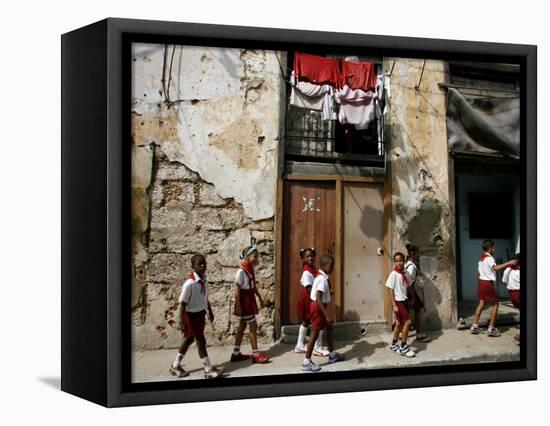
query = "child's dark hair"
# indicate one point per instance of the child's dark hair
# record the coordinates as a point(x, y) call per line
point(487, 245)
point(326, 259)
point(516, 257)
point(305, 250)
point(249, 250)
point(410, 247)
point(398, 254)
point(196, 258)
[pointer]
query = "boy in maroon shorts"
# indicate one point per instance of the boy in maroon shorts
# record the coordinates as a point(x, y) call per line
point(320, 317)
point(398, 283)
point(486, 290)
point(193, 306)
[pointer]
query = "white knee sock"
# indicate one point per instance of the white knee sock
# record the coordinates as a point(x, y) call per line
point(301, 336)
point(177, 361)
point(206, 362)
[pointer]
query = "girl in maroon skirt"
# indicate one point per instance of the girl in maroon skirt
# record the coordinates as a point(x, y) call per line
point(246, 308)
point(308, 275)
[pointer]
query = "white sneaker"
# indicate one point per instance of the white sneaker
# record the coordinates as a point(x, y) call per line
point(320, 352)
point(406, 350)
point(300, 349)
point(310, 367)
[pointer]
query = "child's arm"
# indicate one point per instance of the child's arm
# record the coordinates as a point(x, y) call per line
point(504, 265)
point(210, 313)
point(237, 299)
point(183, 323)
point(322, 307)
point(257, 292)
point(394, 305)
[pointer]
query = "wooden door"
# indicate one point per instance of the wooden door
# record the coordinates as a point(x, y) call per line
point(309, 220)
point(363, 262)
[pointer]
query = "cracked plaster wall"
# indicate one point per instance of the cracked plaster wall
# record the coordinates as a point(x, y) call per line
point(203, 180)
point(422, 205)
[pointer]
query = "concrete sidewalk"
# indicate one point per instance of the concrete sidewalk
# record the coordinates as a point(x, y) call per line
point(449, 346)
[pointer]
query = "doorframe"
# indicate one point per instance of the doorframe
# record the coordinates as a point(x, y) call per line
point(339, 181)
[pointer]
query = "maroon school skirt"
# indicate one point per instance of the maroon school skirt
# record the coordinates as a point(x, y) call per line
point(195, 322)
point(402, 314)
point(318, 319)
point(515, 297)
point(486, 291)
point(303, 304)
point(248, 303)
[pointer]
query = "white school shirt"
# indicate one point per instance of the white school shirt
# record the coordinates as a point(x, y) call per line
point(307, 278)
point(485, 268)
point(192, 294)
point(397, 284)
point(320, 283)
point(511, 278)
point(242, 279)
point(410, 270)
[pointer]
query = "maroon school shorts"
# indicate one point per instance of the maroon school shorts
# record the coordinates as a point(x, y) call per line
point(303, 304)
point(486, 291)
point(248, 303)
point(195, 322)
point(318, 319)
point(515, 297)
point(402, 314)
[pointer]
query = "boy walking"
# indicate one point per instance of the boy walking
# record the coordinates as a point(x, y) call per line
point(320, 317)
point(193, 305)
point(487, 268)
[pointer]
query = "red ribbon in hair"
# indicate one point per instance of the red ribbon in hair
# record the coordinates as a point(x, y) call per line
point(400, 272)
point(203, 285)
point(250, 272)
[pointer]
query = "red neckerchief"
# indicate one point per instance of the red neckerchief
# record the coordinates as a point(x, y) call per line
point(484, 256)
point(515, 267)
point(405, 280)
point(310, 269)
point(245, 266)
point(201, 281)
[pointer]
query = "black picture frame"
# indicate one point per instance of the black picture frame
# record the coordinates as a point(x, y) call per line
point(96, 210)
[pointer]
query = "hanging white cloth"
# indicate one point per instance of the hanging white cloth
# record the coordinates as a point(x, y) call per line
point(357, 107)
point(314, 97)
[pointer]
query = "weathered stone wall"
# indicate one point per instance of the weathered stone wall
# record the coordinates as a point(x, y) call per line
point(422, 206)
point(204, 174)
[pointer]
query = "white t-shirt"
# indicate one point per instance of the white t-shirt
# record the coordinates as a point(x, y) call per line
point(307, 278)
point(511, 278)
point(193, 295)
point(485, 268)
point(410, 270)
point(320, 283)
point(243, 280)
point(396, 283)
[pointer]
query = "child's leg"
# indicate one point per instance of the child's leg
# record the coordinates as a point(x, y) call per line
point(183, 349)
point(311, 342)
point(405, 331)
point(239, 336)
point(302, 334)
point(330, 339)
point(479, 309)
point(396, 330)
point(416, 319)
point(203, 354)
point(494, 312)
point(253, 337)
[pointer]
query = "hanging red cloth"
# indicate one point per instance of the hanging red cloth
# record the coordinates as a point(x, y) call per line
point(316, 69)
point(358, 75)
